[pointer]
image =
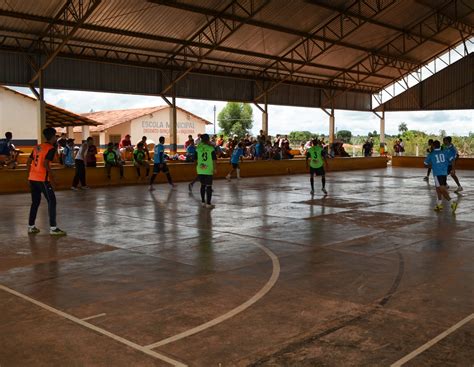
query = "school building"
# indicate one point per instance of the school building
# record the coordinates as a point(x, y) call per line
point(20, 114)
point(151, 122)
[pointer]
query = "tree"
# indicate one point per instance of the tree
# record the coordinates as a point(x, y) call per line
point(298, 137)
point(236, 119)
point(402, 128)
point(344, 135)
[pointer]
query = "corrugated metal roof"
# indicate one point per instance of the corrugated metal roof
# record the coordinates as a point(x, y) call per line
point(271, 38)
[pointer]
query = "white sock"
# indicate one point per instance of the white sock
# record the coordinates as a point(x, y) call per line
point(439, 202)
point(52, 228)
point(31, 227)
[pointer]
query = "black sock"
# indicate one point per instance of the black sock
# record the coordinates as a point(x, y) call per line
point(152, 179)
point(138, 171)
point(203, 193)
point(312, 183)
point(323, 181)
point(209, 194)
point(147, 172)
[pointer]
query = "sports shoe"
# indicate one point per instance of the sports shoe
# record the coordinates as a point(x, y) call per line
point(312, 192)
point(324, 190)
point(454, 206)
point(210, 206)
point(425, 178)
point(85, 188)
point(203, 205)
point(227, 178)
point(438, 207)
point(57, 232)
point(173, 186)
point(73, 188)
point(190, 187)
point(459, 189)
point(151, 188)
point(33, 230)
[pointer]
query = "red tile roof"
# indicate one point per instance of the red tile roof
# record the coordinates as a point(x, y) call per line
point(112, 118)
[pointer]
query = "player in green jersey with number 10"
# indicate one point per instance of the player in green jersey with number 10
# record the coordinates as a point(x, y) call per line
point(317, 161)
point(206, 167)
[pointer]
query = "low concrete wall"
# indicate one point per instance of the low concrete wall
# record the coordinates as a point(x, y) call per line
point(12, 181)
point(417, 162)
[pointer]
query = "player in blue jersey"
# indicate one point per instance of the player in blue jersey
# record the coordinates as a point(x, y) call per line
point(235, 160)
point(452, 153)
point(159, 163)
point(439, 161)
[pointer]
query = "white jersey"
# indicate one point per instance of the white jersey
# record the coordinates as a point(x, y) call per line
point(82, 152)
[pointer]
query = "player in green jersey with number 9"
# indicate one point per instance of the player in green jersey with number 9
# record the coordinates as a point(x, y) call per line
point(317, 162)
point(206, 167)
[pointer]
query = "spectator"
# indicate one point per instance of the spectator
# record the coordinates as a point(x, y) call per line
point(91, 160)
point(198, 140)
point(112, 160)
point(303, 149)
point(125, 146)
point(402, 146)
point(140, 161)
point(220, 141)
point(145, 147)
point(188, 142)
point(61, 144)
point(368, 147)
point(8, 152)
point(190, 151)
point(80, 175)
point(68, 154)
point(397, 147)
point(117, 152)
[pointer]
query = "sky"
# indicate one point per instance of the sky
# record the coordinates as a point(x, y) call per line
point(281, 119)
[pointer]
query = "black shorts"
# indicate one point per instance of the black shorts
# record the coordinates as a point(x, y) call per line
point(157, 169)
point(205, 179)
point(440, 180)
point(318, 171)
point(235, 165)
point(450, 168)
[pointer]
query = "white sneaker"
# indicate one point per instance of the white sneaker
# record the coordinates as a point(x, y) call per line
point(210, 206)
point(203, 205)
point(227, 178)
point(85, 187)
point(459, 189)
point(74, 188)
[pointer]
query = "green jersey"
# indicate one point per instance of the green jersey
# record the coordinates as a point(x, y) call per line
point(205, 163)
point(316, 156)
point(139, 155)
point(110, 156)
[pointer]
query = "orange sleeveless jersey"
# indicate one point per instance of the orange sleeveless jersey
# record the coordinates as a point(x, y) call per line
point(39, 154)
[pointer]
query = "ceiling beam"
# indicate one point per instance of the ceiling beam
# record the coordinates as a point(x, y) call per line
point(340, 26)
point(170, 40)
point(73, 11)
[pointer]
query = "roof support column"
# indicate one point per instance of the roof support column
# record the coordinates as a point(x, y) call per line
point(264, 111)
point(102, 140)
point(265, 117)
point(382, 131)
point(332, 124)
point(41, 110)
point(173, 127)
point(85, 132)
point(70, 132)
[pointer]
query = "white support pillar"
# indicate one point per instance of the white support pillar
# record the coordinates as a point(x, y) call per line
point(265, 117)
point(332, 125)
point(382, 133)
point(70, 132)
point(173, 127)
point(41, 120)
point(85, 132)
point(102, 141)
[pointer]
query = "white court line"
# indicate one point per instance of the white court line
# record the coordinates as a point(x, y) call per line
point(93, 317)
point(95, 328)
point(261, 293)
point(432, 342)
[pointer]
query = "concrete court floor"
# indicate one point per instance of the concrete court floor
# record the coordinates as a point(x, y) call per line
point(362, 277)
